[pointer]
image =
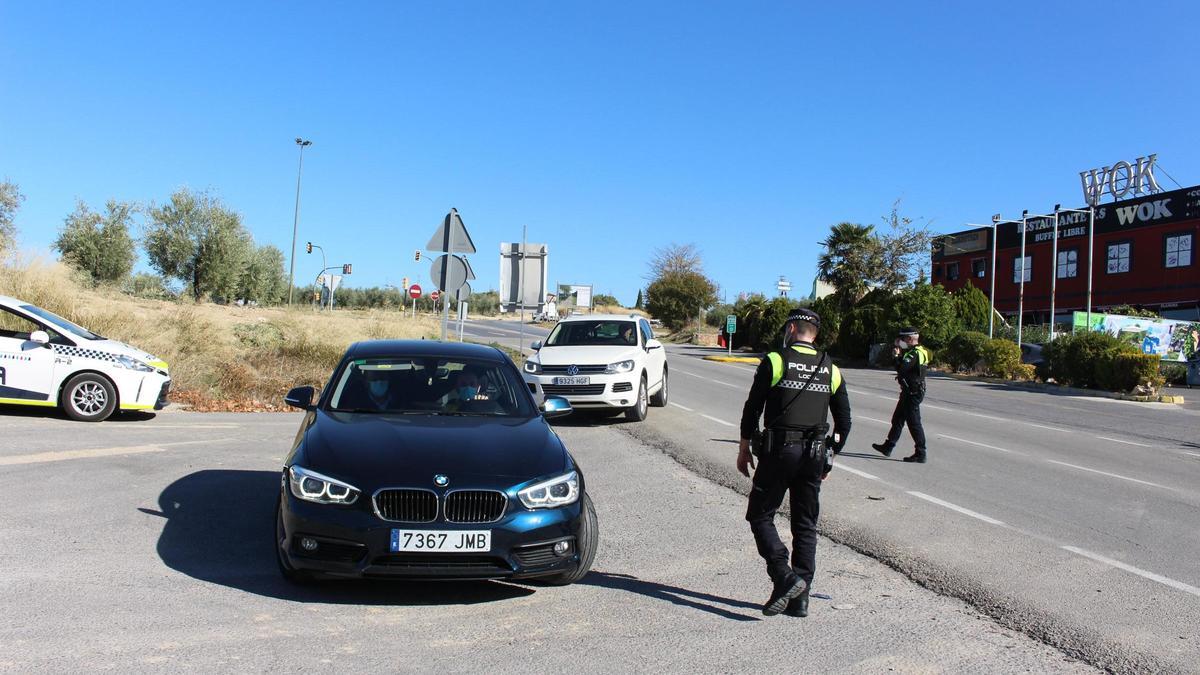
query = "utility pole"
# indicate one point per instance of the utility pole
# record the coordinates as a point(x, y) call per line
point(521, 283)
point(296, 221)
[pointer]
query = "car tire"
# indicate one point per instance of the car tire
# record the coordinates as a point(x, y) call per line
point(88, 397)
point(587, 542)
point(291, 574)
point(637, 412)
point(659, 399)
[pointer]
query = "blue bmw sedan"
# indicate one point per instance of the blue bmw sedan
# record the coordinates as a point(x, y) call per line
point(424, 459)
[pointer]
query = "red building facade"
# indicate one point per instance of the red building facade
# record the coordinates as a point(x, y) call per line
point(1144, 252)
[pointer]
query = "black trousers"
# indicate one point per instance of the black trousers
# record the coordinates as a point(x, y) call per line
point(792, 469)
point(908, 411)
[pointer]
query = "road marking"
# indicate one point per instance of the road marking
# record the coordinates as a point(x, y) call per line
point(1117, 440)
point(682, 407)
point(982, 445)
point(1043, 426)
point(718, 421)
point(676, 370)
point(62, 455)
point(1193, 454)
point(954, 507)
point(872, 419)
point(1110, 475)
point(856, 472)
point(1177, 585)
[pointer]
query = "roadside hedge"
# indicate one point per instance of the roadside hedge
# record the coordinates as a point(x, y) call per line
point(964, 351)
point(1098, 361)
point(1126, 370)
point(1002, 358)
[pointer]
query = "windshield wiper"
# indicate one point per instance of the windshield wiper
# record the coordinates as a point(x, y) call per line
point(371, 411)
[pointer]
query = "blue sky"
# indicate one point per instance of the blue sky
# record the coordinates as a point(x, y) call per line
point(607, 128)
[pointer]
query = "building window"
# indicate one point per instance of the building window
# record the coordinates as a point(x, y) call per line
point(1068, 263)
point(1119, 256)
point(937, 271)
point(1028, 269)
point(979, 268)
point(952, 271)
point(1179, 250)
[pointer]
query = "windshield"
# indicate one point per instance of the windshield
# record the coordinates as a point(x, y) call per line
point(600, 332)
point(60, 322)
point(430, 386)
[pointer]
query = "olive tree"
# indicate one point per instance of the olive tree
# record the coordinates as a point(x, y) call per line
point(196, 239)
point(10, 201)
point(99, 243)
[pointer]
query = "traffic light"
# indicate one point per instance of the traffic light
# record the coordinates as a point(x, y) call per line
point(346, 268)
point(404, 283)
point(308, 248)
point(417, 257)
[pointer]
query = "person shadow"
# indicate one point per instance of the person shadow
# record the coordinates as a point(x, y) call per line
point(705, 602)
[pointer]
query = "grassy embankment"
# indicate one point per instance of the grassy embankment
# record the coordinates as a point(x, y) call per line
point(221, 357)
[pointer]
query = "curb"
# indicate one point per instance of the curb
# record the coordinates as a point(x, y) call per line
point(733, 359)
point(1073, 391)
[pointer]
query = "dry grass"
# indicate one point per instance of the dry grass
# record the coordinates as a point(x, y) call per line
point(221, 357)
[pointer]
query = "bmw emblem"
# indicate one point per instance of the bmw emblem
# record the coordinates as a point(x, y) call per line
point(441, 480)
point(572, 370)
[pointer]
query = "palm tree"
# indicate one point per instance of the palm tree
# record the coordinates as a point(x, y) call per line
point(850, 260)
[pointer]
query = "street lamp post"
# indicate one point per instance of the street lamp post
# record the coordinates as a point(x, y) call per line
point(997, 220)
point(1053, 267)
point(296, 221)
point(1091, 211)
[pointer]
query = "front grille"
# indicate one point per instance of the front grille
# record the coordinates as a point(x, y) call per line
point(475, 506)
point(537, 556)
point(622, 387)
point(575, 389)
point(428, 564)
point(583, 370)
point(407, 506)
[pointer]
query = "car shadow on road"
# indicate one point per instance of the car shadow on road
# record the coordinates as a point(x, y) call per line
point(705, 602)
point(220, 528)
point(55, 413)
point(587, 418)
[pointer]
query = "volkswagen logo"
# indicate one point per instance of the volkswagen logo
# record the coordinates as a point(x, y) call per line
point(572, 370)
point(441, 480)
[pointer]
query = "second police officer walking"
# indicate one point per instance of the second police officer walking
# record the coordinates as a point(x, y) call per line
point(798, 386)
point(912, 359)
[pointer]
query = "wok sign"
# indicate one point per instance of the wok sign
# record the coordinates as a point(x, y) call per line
point(1120, 179)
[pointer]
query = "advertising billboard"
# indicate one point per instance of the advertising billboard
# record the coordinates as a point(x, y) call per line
point(1171, 340)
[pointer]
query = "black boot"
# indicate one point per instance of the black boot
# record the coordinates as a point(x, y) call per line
point(785, 589)
point(917, 457)
point(884, 448)
point(798, 606)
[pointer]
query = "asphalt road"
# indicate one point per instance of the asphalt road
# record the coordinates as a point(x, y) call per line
point(145, 545)
point(1073, 519)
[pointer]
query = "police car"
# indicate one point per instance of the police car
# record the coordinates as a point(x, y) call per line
point(48, 361)
point(602, 362)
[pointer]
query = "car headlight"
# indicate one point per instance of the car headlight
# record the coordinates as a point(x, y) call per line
point(314, 487)
point(552, 493)
point(132, 364)
point(619, 367)
point(533, 367)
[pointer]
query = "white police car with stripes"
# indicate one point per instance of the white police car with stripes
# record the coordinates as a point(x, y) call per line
point(48, 361)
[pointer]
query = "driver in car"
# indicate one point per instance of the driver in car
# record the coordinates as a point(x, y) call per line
point(466, 390)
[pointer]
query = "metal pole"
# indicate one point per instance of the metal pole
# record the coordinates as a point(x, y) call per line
point(1021, 295)
point(296, 222)
point(521, 283)
point(1054, 274)
point(992, 292)
point(1091, 259)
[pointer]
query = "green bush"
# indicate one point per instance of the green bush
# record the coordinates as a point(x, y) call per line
point(1125, 370)
point(1084, 359)
point(964, 351)
point(861, 327)
point(1173, 373)
point(830, 310)
point(972, 307)
point(928, 308)
point(1002, 358)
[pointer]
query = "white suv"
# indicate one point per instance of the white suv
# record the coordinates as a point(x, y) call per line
point(601, 361)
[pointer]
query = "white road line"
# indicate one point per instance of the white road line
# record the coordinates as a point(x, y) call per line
point(1110, 475)
point(1043, 426)
point(676, 370)
point(982, 445)
point(1177, 585)
point(718, 421)
point(1117, 440)
point(62, 455)
point(842, 467)
point(872, 419)
point(682, 407)
point(1193, 454)
point(954, 507)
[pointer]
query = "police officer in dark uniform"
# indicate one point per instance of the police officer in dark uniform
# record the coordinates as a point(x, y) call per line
point(912, 360)
point(798, 386)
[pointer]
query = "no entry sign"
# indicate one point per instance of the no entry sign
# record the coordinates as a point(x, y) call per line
point(414, 291)
point(434, 296)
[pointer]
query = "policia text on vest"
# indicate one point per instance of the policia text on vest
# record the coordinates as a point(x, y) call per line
point(912, 360)
point(798, 387)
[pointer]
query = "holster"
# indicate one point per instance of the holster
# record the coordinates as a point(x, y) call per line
point(770, 441)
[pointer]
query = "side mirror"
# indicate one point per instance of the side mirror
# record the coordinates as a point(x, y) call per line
point(536, 345)
point(653, 344)
point(41, 337)
point(556, 406)
point(300, 397)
